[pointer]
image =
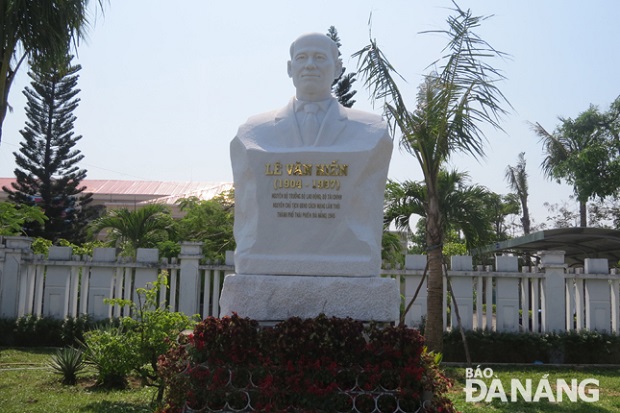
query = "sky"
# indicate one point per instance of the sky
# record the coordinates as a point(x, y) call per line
point(164, 88)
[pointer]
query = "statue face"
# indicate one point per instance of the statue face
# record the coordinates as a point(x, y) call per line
point(313, 66)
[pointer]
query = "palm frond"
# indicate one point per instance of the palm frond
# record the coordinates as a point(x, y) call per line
point(472, 96)
point(378, 77)
point(517, 177)
point(557, 150)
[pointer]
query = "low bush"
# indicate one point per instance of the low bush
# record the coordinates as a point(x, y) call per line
point(7, 332)
point(584, 347)
point(321, 364)
point(31, 331)
point(38, 331)
point(587, 347)
point(73, 329)
point(110, 351)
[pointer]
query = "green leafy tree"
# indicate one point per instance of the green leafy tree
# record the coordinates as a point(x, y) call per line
point(584, 152)
point(209, 222)
point(517, 180)
point(561, 215)
point(610, 122)
point(453, 244)
point(602, 213)
point(47, 172)
point(452, 105)
point(14, 217)
point(141, 228)
point(36, 31)
point(342, 86)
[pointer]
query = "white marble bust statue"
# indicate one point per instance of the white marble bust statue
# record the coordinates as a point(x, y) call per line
point(309, 183)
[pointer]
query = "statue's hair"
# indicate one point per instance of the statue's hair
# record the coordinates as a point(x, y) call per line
point(333, 45)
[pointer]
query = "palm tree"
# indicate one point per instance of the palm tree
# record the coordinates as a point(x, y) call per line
point(517, 179)
point(462, 206)
point(141, 228)
point(452, 105)
point(37, 30)
point(498, 208)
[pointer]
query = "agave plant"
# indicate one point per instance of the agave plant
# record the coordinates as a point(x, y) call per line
point(69, 362)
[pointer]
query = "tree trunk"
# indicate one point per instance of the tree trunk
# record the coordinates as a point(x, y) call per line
point(583, 214)
point(7, 75)
point(4, 105)
point(433, 332)
point(525, 220)
point(6, 78)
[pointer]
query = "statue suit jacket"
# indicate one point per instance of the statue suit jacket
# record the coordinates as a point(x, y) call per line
point(342, 128)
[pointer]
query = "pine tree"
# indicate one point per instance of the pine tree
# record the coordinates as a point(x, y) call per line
point(47, 174)
point(342, 86)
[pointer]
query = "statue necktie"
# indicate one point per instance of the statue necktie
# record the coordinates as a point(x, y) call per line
point(310, 126)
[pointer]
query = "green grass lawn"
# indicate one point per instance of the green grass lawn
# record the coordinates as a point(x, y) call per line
point(26, 386)
point(609, 390)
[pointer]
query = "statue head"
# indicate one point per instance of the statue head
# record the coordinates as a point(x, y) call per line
point(314, 66)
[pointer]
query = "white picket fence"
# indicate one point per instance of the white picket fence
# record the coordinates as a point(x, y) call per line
point(549, 298)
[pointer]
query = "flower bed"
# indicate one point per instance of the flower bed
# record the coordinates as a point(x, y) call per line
point(322, 364)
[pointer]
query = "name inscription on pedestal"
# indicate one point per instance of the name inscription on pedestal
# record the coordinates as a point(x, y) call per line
point(306, 190)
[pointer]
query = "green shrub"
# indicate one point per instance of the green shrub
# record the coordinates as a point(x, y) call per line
point(134, 346)
point(589, 347)
point(85, 248)
point(25, 330)
point(7, 332)
point(110, 351)
point(73, 329)
point(41, 246)
point(35, 331)
point(67, 361)
point(584, 347)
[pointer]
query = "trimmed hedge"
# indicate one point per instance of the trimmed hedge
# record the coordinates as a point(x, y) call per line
point(584, 347)
point(33, 331)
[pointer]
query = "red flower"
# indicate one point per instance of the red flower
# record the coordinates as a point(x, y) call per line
point(300, 364)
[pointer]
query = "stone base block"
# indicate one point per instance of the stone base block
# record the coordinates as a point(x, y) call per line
point(279, 297)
